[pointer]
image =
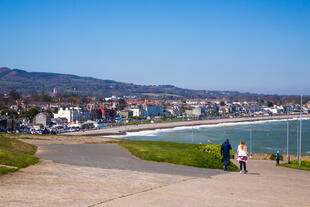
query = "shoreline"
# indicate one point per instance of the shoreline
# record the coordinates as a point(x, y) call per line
point(122, 130)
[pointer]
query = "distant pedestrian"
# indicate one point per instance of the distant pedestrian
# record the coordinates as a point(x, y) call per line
point(242, 156)
point(225, 152)
point(278, 157)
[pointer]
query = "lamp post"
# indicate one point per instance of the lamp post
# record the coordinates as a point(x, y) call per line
point(250, 141)
point(297, 136)
point(287, 137)
point(300, 131)
point(192, 135)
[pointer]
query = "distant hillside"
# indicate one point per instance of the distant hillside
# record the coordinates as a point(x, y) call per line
point(44, 83)
point(38, 82)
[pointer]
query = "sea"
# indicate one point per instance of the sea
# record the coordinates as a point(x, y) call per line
point(260, 136)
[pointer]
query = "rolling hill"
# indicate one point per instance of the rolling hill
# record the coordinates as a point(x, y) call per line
point(42, 83)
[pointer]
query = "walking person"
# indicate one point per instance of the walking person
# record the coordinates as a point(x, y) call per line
point(242, 156)
point(225, 152)
point(278, 157)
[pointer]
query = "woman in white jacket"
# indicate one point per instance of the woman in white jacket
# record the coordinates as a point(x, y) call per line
point(242, 156)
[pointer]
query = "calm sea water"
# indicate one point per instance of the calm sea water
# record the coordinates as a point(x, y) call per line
point(267, 136)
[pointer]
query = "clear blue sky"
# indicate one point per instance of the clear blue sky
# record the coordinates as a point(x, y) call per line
point(246, 45)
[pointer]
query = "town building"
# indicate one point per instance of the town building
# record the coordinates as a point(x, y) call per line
point(195, 111)
point(173, 111)
point(153, 110)
point(126, 113)
point(72, 114)
point(43, 119)
point(137, 112)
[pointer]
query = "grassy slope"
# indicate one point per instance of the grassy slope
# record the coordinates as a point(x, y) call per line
point(177, 153)
point(305, 165)
point(15, 153)
point(161, 94)
point(5, 170)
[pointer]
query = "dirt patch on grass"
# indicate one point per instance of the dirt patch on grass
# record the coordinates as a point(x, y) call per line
point(266, 156)
point(61, 139)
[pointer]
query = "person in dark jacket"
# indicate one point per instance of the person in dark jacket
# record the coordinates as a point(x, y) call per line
point(278, 157)
point(225, 152)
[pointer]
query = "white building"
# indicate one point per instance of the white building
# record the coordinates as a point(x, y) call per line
point(112, 98)
point(174, 110)
point(72, 114)
point(273, 110)
point(196, 111)
point(136, 112)
point(147, 110)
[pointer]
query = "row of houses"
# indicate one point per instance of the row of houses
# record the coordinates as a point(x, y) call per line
point(76, 114)
point(111, 111)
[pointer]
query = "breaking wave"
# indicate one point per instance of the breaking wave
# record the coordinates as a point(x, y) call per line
point(155, 132)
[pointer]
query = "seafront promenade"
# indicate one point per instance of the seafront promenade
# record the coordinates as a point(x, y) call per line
point(121, 130)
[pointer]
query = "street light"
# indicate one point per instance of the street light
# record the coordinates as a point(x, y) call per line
point(250, 141)
point(192, 135)
point(287, 136)
point(297, 138)
point(300, 131)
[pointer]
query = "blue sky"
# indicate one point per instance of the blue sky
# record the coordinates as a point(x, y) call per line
point(258, 46)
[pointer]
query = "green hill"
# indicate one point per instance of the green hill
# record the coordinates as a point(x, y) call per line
point(39, 82)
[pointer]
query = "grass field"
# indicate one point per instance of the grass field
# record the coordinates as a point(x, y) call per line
point(305, 165)
point(15, 154)
point(161, 94)
point(176, 153)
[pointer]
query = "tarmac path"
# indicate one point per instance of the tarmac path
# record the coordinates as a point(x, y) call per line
point(112, 156)
point(107, 175)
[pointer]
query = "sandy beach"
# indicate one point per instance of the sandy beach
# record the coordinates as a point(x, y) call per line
point(122, 130)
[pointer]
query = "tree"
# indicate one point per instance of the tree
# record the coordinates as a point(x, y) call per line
point(71, 99)
point(269, 104)
point(30, 114)
point(14, 94)
point(6, 112)
point(46, 98)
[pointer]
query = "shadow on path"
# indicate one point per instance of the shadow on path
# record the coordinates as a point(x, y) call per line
point(112, 156)
point(253, 173)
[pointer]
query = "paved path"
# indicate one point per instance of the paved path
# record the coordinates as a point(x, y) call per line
point(104, 182)
point(265, 186)
point(112, 156)
point(49, 184)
